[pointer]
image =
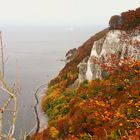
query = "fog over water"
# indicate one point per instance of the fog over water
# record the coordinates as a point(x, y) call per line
point(34, 53)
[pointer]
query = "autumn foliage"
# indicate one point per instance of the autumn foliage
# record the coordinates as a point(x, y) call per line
point(99, 109)
point(126, 21)
point(107, 109)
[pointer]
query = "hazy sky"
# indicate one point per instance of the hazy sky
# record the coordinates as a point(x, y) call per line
point(68, 12)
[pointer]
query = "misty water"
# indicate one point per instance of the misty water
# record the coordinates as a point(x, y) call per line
point(34, 53)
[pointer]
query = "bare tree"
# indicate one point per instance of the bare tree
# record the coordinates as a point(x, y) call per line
point(11, 93)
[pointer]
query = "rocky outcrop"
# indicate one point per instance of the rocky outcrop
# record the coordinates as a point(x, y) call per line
point(70, 55)
point(126, 21)
point(115, 42)
point(82, 70)
point(115, 22)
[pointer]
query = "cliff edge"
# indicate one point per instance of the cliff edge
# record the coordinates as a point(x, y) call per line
point(96, 96)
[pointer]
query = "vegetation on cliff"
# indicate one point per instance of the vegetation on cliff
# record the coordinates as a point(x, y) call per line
point(126, 21)
point(107, 109)
point(99, 109)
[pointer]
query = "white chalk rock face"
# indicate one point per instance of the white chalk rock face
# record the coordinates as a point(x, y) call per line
point(113, 43)
point(82, 70)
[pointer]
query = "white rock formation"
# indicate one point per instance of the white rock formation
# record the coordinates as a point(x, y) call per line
point(113, 43)
point(70, 55)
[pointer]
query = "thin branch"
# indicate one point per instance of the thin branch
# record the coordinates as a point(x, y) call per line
point(6, 104)
point(2, 54)
point(5, 87)
point(12, 92)
point(11, 110)
point(0, 124)
point(14, 118)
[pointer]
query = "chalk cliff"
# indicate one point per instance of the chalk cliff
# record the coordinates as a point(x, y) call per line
point(85, 101)
point(115, 42)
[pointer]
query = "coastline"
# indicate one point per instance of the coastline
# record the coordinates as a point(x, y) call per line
point(41, 117)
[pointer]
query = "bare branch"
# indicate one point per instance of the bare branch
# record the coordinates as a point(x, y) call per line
point(12, 92)
point(2, 54)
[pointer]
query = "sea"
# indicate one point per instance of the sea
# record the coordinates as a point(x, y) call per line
point(33, 56)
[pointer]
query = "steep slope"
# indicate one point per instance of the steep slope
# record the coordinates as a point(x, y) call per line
point(70, 71)
point(96, 96)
